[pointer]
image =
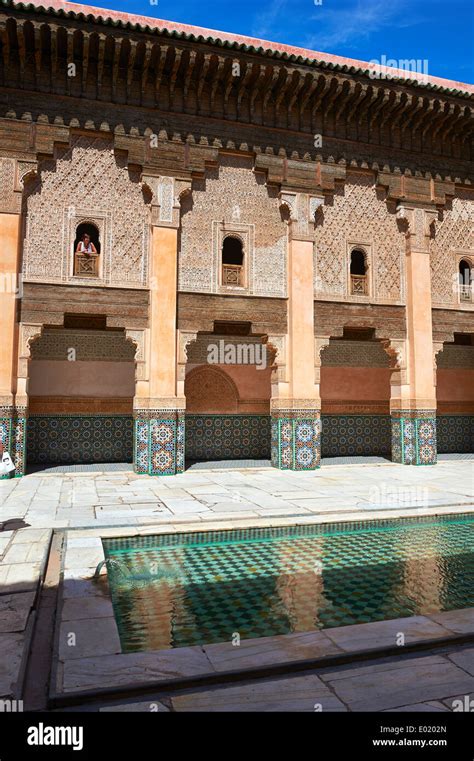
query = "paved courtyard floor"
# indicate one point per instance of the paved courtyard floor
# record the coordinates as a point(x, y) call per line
point(89, 504)
point(436, 680)
point(73, 500)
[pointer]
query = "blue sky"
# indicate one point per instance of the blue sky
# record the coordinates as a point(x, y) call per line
point(439, 31)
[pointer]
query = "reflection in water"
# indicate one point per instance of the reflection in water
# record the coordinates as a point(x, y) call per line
point(172, 595)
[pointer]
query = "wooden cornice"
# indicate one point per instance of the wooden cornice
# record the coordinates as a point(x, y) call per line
point(130, 68)
point(420, 191)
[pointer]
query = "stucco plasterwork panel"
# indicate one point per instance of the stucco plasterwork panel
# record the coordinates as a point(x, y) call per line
point(10, 200)
point(234, 195)
point(454, 233)
point(86, 180)
point(358, 214)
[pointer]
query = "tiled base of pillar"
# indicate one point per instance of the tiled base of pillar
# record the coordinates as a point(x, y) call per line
point(158, 442)
point(296, 439)
point(414, 437)
point(13, 436)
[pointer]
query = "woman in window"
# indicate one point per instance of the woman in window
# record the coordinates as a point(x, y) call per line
point(85, 245)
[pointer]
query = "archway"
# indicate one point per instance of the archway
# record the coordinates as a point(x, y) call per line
point(227, 388)
point(455, 395)
point(355, 396)
point(81, 383)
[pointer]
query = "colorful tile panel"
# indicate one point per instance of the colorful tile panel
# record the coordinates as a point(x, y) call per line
point(227, 437)
point(349, 435)
point(414, 437)
point(296, 440)
point(455, 433)
point(159, 442)
point(72, 439)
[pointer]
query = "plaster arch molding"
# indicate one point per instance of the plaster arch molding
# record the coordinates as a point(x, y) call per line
point(210, 390)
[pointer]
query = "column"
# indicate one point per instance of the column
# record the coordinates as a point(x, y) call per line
point(12, 416)
point(413, 402)
point(296, 401)
point(158, 407)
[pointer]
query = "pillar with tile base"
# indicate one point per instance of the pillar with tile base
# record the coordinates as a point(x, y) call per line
point(414, 437)
point(413, 403)
point(158, 407)
point(296, 438)
point(159, 441)
point(12, 416)
point(296, 402)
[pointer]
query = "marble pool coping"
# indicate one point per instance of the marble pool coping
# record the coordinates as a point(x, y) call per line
point(88, 660)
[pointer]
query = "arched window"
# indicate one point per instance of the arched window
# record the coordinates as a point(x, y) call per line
point(358, 272)
point(86, 250)
point(232, 261)
point(465, 281)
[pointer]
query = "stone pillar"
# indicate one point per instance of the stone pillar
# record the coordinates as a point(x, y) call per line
point(413, 402)
point(296, 402)
point(12, 416)
point(158, 406)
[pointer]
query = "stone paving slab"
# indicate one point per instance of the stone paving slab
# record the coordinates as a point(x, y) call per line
point(464, 658)
point(14, 611)
point(394, 683)
point(386, 634)
point(12, 646)
point(119, 670)
point(459, 621)
point(302, 694)
point(266, 651)
point(84, 638)
point(433, 706)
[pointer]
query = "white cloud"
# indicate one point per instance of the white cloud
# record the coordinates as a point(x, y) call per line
point(351, 23)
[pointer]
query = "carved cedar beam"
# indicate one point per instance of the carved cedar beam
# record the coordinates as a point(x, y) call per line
point(428, 124)
point(416, 190)
point(329, 100)
point(228, 81)
point(451, 124)
point(281, 88)
point(159, 71)
point(174, 74)
point(206, 62)
point(132, 57)
point(344, 103)
point(258, 85)
point(86, 43)
point(246, 79)
point(443, 117)
point(6, 50)
point(395, 109)
point(188, 74)
point(314, 83)
point(362, 105)
point(145, 68)
point(20, 36)
point(300, 176)
point(55, 41)
point(69, 57)
point(217, 80)
point(374, 109)
point(100, 63)
point(301, 84)
point(277, 74)
point(118, 44)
